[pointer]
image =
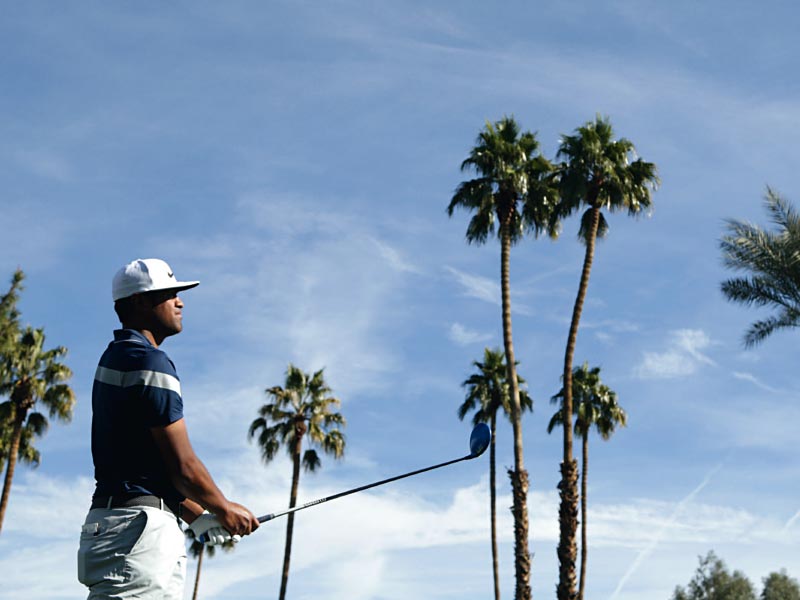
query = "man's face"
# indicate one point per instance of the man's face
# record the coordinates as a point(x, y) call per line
point(167, 312)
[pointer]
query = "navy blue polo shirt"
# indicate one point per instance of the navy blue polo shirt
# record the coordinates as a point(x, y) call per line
point(135, 388)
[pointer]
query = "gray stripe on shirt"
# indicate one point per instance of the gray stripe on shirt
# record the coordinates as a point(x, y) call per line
point(131, 378)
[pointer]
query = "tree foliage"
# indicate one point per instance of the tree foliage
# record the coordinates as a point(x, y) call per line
point(779, 586)
point(9, 332)
point(713, 581)
point(304, 406)
point(32, 376)
point(594, 404)
point(488, 389)
point(771, 263)
point(514, 191)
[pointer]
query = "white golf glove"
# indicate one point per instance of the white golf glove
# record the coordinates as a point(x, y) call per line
point(209, 530)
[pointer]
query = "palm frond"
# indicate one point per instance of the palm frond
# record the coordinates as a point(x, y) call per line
point(487, 390)
point(333, 443)
point(760, 330)
point(597, 171)
point(771, 261)
point(60, 401)
point(595, 404)
point(311, 461)
point(36, 424)
point(304, 406)
point(514, 190)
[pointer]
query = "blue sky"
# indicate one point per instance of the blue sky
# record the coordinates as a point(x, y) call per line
point(297, 158)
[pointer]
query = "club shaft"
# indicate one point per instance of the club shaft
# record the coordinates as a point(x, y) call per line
point(265, 518)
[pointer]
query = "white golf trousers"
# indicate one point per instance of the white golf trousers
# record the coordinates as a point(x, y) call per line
point(134, 552)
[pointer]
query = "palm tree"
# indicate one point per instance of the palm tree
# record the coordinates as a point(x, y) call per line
point(32, 375)
point(596, 174)
point(198, 550)
point(515, 190)
point(9, 315)
point(9, 331)
point(35, 426)
point(487, 393)
point(771, 260)
point(304, 407)
point(594, 404)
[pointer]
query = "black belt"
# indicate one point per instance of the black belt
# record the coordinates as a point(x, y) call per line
point(134, 501)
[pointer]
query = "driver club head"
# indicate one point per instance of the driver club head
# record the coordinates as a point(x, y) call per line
point(479, 440)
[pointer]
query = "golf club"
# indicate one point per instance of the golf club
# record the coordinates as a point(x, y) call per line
point(478, 442)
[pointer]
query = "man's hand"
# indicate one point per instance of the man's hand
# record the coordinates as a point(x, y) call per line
point(208, 529)
point(237, 519)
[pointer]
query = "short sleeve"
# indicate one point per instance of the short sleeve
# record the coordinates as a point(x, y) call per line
point(160, 391)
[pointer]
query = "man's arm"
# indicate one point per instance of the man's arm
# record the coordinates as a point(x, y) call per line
point(191, 478)
point(190, 510)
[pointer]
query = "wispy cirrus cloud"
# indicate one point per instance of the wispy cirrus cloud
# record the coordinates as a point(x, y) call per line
point(476, 286)
point(483, 288)
point(394, 257)
point(755, 381)
point(463, 336)
point(683, 356)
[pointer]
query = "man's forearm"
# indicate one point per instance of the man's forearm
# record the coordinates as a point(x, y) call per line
point(193, 480)
point(190, 510)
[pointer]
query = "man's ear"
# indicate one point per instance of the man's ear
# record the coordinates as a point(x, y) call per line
point(140, 301)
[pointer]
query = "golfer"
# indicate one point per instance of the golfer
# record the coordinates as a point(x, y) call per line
point(148, 476)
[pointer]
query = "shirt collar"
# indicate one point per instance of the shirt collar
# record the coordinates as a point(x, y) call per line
point(130, 335)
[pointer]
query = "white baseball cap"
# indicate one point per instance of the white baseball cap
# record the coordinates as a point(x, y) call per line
point(146, 275)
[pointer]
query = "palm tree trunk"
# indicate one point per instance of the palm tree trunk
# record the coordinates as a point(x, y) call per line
point(197, 575)
point(568, 510)
point(287, 552)
point(16, 434)
point(519, 477)
point(493, 505)
point(584, 548)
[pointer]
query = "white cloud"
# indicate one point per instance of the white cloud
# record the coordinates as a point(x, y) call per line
point(463, 336)
point(682, 357)
point(32, 501)
point(755, 381)
point(615, 325)
point(485, 289)
point(478, 287)
point(603, 337)
point(393, 257)
point(286, 214)
point(372, 527)
point(316, 289)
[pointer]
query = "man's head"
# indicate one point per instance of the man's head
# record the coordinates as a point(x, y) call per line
point(145, 294)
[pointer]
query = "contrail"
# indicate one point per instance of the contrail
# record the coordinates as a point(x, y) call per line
point(657, 538)
point(791, 521)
